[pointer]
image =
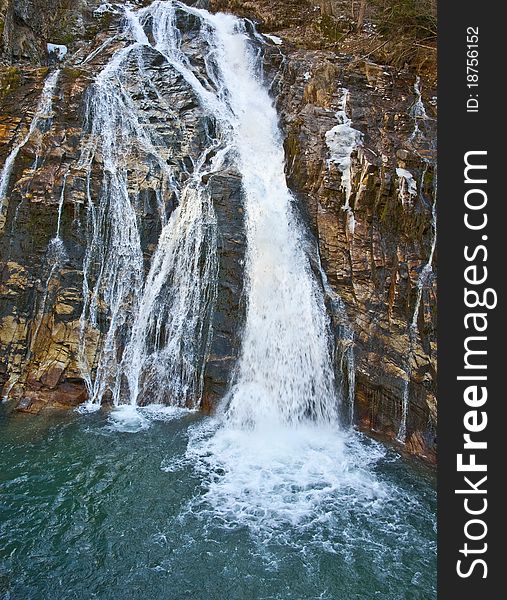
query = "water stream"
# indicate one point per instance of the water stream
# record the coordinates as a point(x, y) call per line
point(418, 111)
point(42, 115)
point(424, 281)
point(156, 337)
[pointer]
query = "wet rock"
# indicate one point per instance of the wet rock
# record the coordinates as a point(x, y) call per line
point(64, 396)
point(229, 308)
point(373, 253)
point(24, 405)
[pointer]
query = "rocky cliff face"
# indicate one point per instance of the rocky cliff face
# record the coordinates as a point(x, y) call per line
point(360, 146)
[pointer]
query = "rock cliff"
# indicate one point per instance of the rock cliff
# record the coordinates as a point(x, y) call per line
point(360, 156)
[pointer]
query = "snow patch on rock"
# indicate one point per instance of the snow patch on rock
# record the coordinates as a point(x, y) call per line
point(58, 50)
point(275, 39)
point(407, 185)
point(341, 141)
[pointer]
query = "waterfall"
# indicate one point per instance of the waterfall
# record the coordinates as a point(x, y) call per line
point(60, 207)
point(43, 113)
point(284, 373)
point(275, 454)
point(157, 334)
point(157, 324)
point(271, 496)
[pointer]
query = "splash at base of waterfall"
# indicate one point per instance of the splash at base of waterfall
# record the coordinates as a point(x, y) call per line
point(132, 419)
point(129, 418)
point(276, 478)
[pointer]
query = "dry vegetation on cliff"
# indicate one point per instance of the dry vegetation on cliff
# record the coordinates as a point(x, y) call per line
point(401, 33)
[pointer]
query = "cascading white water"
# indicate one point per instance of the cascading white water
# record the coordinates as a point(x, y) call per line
point(284, 373)
point(60, 207)
point(156, 323)
point(276, 455)
point(42, 114)
point(157, 333)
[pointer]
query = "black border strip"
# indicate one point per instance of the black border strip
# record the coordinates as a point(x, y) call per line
point(460, 132)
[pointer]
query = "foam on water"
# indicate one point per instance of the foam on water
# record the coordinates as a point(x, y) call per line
point(276, 479)
point(128, 418)
point(97, 499)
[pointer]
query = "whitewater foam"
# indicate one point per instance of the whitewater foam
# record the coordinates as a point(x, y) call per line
point(128, 418)
point(277, 479)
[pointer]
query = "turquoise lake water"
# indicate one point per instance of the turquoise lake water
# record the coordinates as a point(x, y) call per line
point(174, 508)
